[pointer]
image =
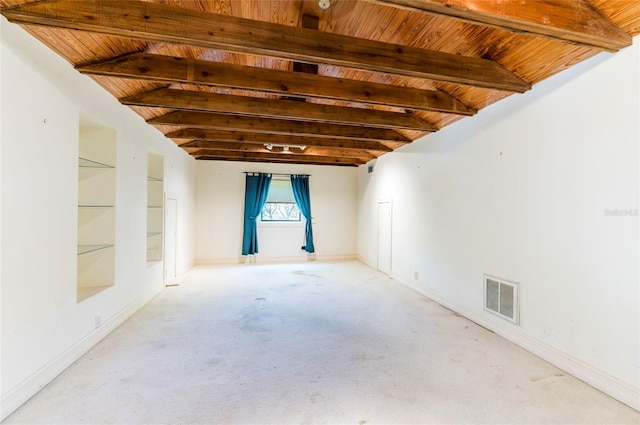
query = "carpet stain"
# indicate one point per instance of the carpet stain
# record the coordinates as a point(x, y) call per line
point(362, 422)
point(541, 378)
point(303, 273)
point(315, 397)
point(261, 299)
point(365, 358)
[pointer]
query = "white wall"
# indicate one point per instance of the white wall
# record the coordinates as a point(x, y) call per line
point(43, 328)
point(522, 191)
point(220, 206)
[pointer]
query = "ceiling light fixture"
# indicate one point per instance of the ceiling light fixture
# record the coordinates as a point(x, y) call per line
point(324, 4)
point(284, 148)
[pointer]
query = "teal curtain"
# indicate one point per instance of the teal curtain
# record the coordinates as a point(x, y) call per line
point(255, 195)
point(300, 186)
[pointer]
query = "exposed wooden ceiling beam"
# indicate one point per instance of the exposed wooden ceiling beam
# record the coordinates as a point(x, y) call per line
point(275, 108)
point(146, 66)
point(159, 22)
point(285, 161)
point(574, 21)
point(196, 135)
point(273, 126)
point(249, 147)
point(311, 22)
point(279, 157)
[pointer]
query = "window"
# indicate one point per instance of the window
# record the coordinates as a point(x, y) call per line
point(280, 205)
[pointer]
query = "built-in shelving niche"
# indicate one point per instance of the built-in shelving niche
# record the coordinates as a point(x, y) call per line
point(155, 206)
point(96, 210)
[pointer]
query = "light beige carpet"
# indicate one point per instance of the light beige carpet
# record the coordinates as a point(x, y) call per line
point(311, 343)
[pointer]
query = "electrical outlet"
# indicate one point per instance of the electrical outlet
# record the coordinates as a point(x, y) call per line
point(415, 275)
point(97, 321)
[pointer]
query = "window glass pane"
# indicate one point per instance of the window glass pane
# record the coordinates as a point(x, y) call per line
point(280, 211)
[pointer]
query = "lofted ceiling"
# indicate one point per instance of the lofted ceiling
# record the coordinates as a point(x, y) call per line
point(287, 81)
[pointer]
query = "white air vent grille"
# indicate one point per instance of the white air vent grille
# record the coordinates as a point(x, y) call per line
point(501, 298)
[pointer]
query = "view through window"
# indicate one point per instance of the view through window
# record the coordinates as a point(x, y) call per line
point(280, 205)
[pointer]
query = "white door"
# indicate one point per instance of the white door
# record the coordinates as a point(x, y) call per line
point(384, 237)
point(170, 238)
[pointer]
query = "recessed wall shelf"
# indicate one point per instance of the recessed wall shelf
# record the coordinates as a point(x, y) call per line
point(89, 291)
point(89, 163)
point(96, 211)
point(155, 208)
point(86, 249)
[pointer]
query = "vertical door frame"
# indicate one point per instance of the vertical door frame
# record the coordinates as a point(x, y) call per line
point(390, 202)
point(167, 197)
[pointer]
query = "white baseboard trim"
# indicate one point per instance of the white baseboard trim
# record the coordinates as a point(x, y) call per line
point(259, 259)
point(273, 260)
point(609, 385)
point(215, 261)
point(344, 257)
point(185, 269)
point(365, 261)
point(34, 383)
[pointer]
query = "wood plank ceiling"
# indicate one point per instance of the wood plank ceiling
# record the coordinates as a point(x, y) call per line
point(287, 81)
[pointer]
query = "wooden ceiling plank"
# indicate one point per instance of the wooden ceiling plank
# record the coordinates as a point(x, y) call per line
point(170, 24)
point(168, 69)
point(209, 120)
point(573, 21)
point(203, 135)
point(249, 147)
point(275, 108)
point(278, 156)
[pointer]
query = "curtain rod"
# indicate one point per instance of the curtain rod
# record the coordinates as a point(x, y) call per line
point(277, 174)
